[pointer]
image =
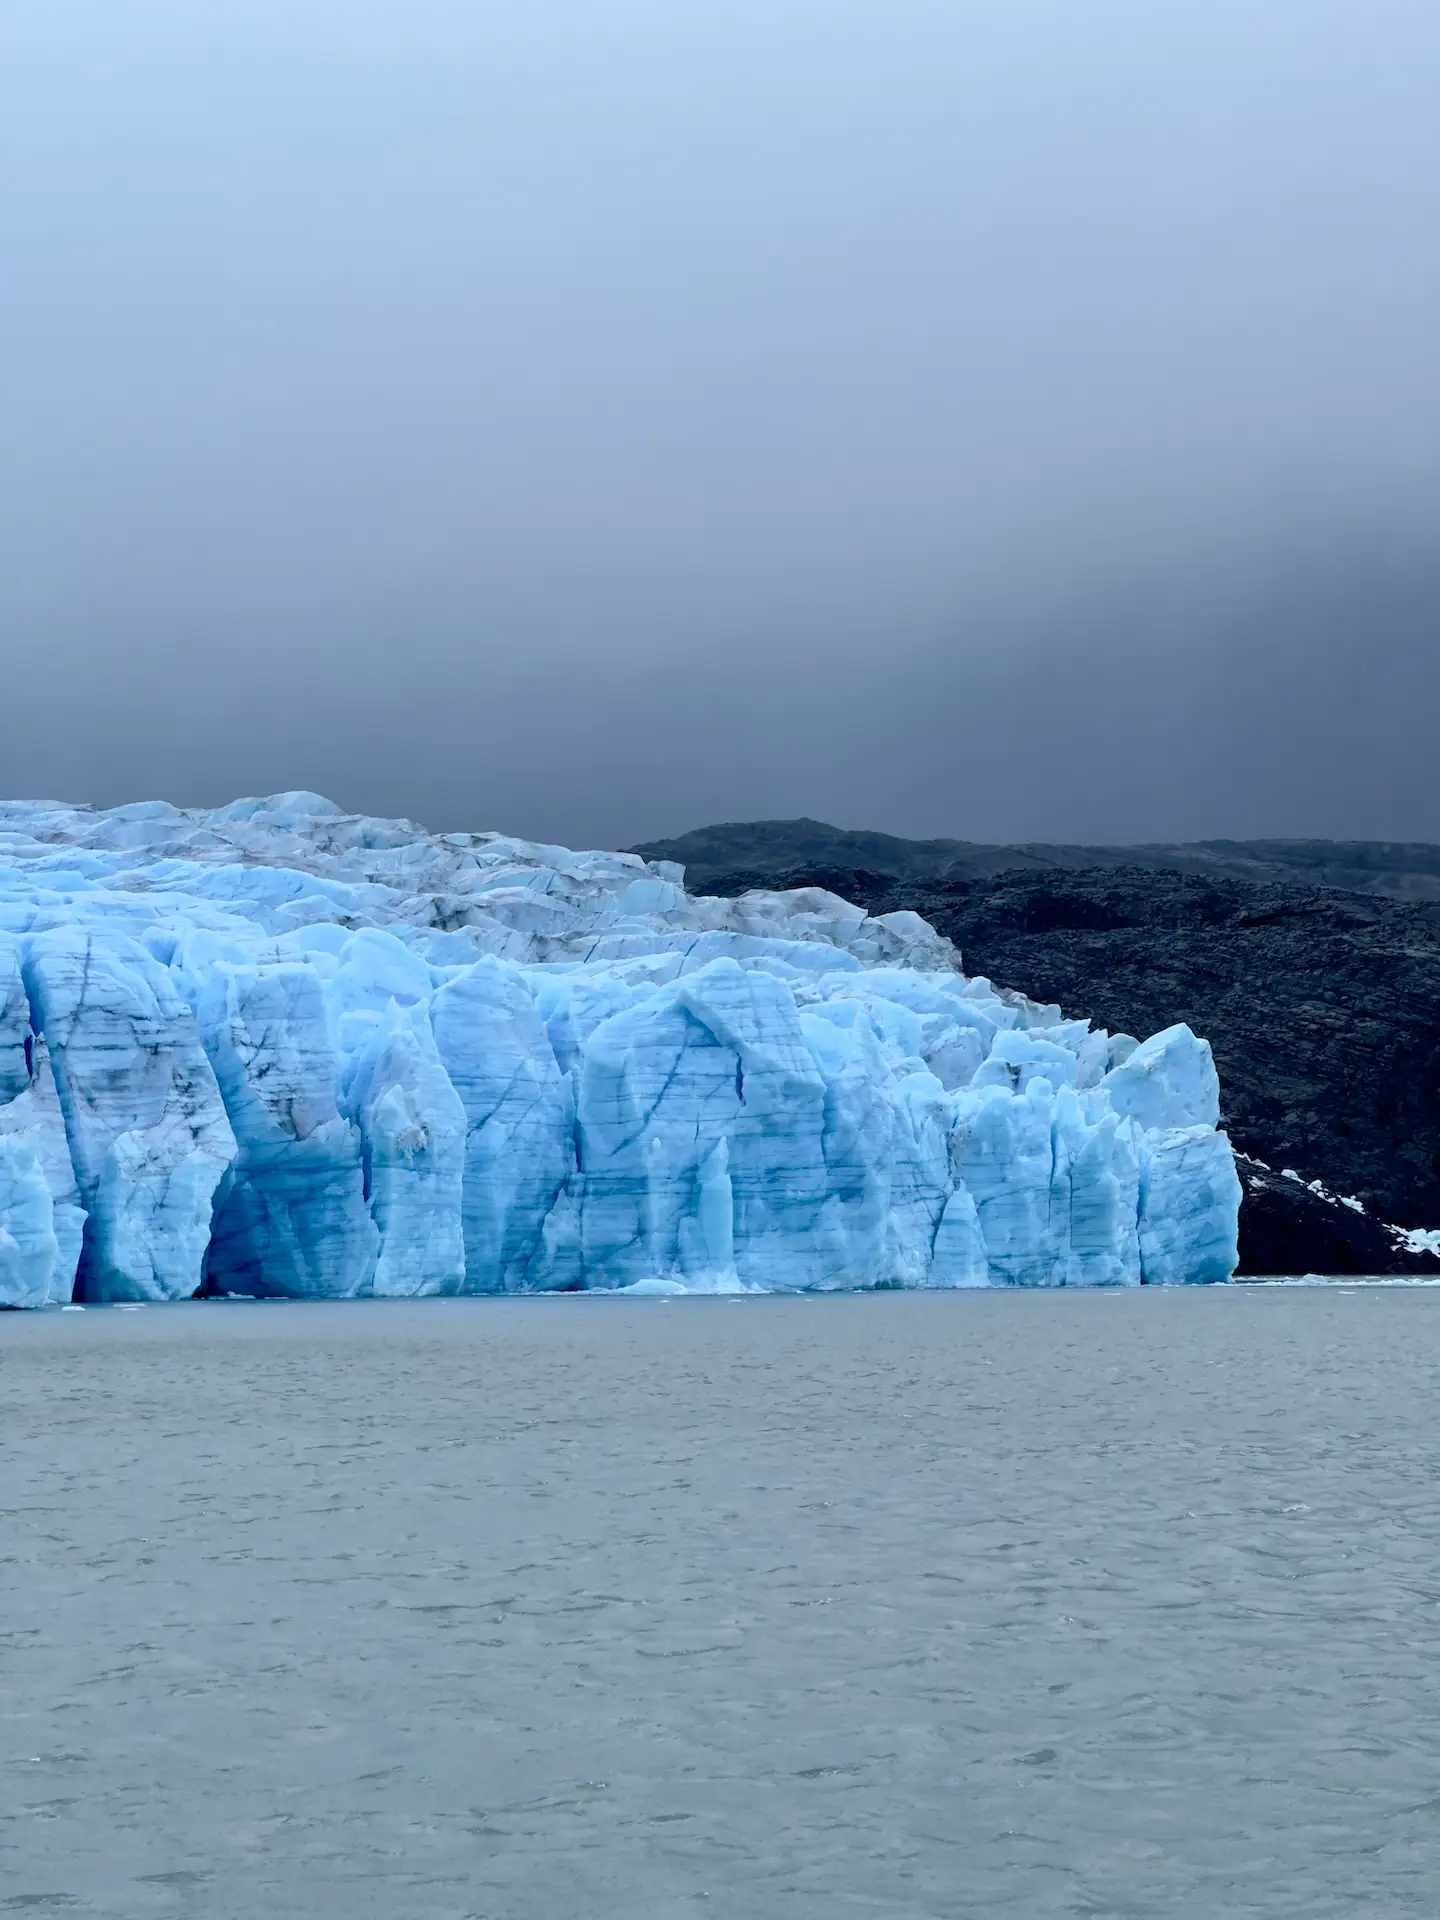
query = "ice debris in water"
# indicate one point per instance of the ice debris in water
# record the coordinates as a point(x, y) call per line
point(280, 1049)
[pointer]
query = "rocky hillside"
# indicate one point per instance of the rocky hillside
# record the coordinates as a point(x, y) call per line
point(1322, 1003)
point(1394, 869)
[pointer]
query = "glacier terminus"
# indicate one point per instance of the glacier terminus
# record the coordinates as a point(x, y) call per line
point(278, 1049)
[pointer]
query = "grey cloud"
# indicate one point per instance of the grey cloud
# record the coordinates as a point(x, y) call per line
point(589, 422)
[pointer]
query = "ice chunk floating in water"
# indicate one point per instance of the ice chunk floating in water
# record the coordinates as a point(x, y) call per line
point(277, 1048)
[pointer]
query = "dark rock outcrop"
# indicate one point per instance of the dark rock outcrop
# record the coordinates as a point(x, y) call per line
point(1285, 1228)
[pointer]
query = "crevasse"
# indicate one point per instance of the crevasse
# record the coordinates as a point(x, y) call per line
point(279, 1049)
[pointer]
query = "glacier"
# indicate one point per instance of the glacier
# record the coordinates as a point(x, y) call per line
point(274, 1048)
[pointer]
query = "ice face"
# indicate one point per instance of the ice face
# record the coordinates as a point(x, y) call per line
point(518, 1121)
point(1167, 1081)
point(277, 1048)
point(293, 1219)
point(35, 1154)
point(148, 1137)
point(29, 1249)
point(1189, 1203)
point(413, 1133)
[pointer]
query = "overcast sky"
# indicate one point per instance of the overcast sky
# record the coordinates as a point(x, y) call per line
point(1008, 420)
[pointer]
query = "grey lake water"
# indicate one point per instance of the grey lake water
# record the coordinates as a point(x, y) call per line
point(985, 1604)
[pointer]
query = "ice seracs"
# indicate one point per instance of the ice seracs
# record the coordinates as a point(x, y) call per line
point(277, 1048)
point(146, 1129)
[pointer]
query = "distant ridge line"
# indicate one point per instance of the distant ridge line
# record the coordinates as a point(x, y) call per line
point(1394, 869)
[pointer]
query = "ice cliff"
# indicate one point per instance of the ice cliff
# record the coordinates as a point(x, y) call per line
point(280, 1049)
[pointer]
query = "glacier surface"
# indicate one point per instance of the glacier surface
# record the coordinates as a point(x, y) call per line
point(278, 1049)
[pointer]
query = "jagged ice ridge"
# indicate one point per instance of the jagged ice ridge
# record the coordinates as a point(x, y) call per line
point(279, 1049)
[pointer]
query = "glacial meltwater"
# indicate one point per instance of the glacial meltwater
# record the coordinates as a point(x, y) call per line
point(986, 1604)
